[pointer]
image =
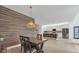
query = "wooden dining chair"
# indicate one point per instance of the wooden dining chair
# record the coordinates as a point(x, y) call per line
point(27, 45)
point(22, 41)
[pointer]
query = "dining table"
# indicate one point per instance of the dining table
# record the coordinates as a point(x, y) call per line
point(37, 42)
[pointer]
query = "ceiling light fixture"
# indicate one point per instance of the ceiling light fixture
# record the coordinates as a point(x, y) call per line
point(30, 23)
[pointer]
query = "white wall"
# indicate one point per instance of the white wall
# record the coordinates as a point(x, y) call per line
point(75, 22)
point(58, 28)
point(71, 25)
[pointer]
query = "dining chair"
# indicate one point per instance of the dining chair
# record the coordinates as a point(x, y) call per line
point(27, 45)
point(22, 41)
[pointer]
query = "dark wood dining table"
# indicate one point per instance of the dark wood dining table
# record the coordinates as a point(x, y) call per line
point(31, 42)
point(38, 42)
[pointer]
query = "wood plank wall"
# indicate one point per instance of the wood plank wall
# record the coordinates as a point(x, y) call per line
point(13, 24)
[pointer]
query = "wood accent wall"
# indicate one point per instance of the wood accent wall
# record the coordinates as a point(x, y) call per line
point(12, 25)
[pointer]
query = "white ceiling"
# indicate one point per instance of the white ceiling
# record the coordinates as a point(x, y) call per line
point(48, 14)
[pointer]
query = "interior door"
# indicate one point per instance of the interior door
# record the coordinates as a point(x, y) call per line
point(65, 33)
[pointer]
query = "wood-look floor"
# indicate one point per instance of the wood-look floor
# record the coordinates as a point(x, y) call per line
point(56, 46)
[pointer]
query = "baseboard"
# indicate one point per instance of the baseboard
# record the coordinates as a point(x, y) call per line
point(14, 46)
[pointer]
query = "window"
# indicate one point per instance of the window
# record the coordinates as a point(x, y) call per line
point(76, 32)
